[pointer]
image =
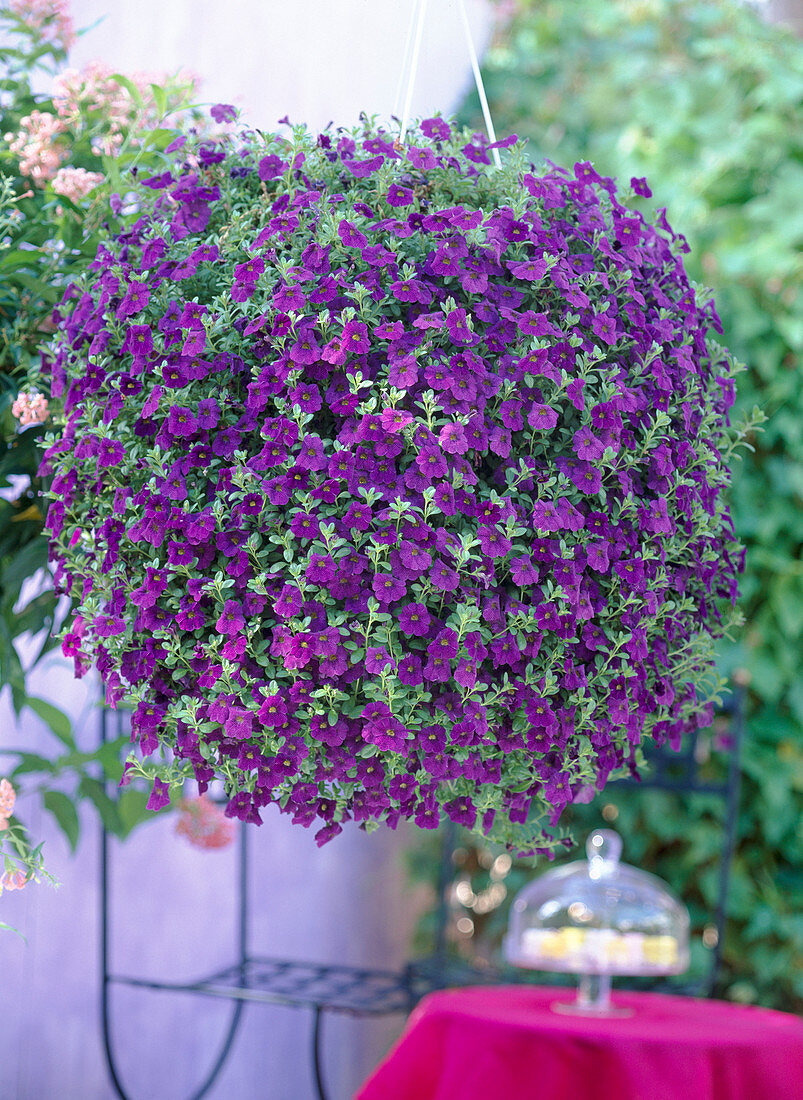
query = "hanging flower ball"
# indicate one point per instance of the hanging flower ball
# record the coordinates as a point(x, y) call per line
point(390, 483)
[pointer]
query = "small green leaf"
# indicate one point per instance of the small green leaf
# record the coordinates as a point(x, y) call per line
point(63, 809)
point(133, 809)
point(107, 809)
point(8, 928)
point(129, 86)
point(159, 98)
point(109, 756)
point(57, 721)
point(33, 762)
point(24, 564)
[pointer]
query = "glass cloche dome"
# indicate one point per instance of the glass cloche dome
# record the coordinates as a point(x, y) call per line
point(596, 918)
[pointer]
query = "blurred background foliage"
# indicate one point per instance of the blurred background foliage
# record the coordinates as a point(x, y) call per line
point(703, 97)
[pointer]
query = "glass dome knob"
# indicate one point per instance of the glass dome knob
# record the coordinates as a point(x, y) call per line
point(603, 848)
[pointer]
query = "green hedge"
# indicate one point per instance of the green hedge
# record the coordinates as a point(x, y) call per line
point(704, 99)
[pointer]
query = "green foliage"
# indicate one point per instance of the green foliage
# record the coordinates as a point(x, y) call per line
point(64, 779)
point(704, 99)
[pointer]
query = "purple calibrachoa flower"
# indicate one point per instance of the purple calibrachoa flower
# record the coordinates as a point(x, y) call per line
point(223, 112)
point(443, 578)
point(410, 670)
point(271, 166)
point(231, 619)
point(431, 462)
point(604, 326)
point(160, 795)
point(530, 270)
point(414, 558)
point(350, 235)
point(588, 444)
point(344, 476)
point(238, 723)
point(542, 417)
point(181, 421)
point(414, 619)
point(378, 659)
point(452, 438)
point(111, 452)
point(387, 734)
point(136, 298)
point(321, 569)
point(493, 542)
point(393, 420)
point(388, 588)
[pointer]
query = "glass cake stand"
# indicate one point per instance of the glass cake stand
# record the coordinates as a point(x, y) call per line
point(597, 918)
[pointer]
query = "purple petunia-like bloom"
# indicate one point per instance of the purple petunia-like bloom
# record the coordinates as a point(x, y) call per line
point(414, 619)
point(270, 167)
point(413, 500)
point(160, 795)
point(181, 421)
point(542, 417)
point(387, 588)
point(350, 235)
point(223, 112)
point(431, 462)
point(231, 621)
point(354, 339)
point(531, 270)
point(394, 420)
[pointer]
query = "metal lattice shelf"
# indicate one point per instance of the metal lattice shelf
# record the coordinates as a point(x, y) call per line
point(358, 991)
point(350, 989)
point(353, 990)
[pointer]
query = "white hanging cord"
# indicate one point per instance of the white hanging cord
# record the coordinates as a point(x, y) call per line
point(406, 58)
point(420, 7)
point(475, 65)
point(419, 32)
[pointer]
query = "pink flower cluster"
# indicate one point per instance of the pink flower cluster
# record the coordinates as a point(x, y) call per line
point(8, 796)
point(204, 824)
point(51, 18)
point(75, 183)
point(30, 408)
point(90, 102)
point(92, 91)
point(39, 146)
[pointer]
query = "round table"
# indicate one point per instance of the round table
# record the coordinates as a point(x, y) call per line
point(506, 1043)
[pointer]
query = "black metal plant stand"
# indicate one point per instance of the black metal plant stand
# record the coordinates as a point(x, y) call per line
point(316, 987)
point(320, 988)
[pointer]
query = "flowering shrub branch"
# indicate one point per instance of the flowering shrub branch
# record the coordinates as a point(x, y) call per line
point(21, 863)
point(391, 485)
point(62, 158)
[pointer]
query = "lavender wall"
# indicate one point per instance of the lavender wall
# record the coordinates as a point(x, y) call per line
point(314, 60)
point(173, 915)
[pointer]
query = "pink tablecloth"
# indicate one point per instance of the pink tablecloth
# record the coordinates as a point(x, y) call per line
point(505, 1043)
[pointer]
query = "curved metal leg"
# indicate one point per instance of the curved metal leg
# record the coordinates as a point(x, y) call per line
point(316, 1051)
point(106, 981)
point(737, 731)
